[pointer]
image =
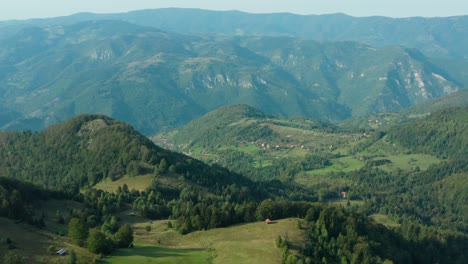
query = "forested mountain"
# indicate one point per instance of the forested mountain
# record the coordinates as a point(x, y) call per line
point(253, 105)
point(156, 80)
point(440, 37)
point(413, 113)
point(426, 201)
point(90, 148)
point(378, 167)
point(233, 125)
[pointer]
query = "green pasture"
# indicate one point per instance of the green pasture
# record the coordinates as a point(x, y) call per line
point(145, 253)
point(140, 183)
point(245, 243)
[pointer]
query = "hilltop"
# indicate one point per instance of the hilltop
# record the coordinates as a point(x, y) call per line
point(91, 148)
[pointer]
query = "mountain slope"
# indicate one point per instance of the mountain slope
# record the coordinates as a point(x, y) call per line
point(156, 80)
point(440, 37)
point(89, 148)
point(378, 168)
point(413, 113)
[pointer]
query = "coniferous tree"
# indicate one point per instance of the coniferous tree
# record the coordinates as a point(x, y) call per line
point(77, 231)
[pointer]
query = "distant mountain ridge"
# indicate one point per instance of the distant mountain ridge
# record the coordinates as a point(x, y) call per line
point(439, 36)
point(157, 80)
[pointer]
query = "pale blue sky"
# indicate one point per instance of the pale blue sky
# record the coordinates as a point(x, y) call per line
point(22, 9)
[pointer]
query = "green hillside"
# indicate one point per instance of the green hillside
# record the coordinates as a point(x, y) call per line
point(415, 187)
point(276, 138)
point(157, 81)
point(328, 160)
point(413, 113)
point(91, 148)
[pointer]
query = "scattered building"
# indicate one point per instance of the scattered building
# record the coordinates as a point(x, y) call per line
point(343, 194)
point(62, 252)
point(268, 221)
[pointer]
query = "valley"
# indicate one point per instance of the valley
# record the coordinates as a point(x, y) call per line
point(195, 136)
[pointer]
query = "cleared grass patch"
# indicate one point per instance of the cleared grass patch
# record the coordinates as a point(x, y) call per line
point(384, 220)
point(408, 162)
point(138, 183)
point(249, 149)
point(246, 243)
point(31, 243)
point(145, 253)
point(345, 164)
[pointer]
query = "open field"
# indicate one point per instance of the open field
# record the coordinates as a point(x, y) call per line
point(246, 243)
point(145, 253)
point(32, 243)
point(138, 183)
point(350, 163)
point(344, 164)
point(411, 161)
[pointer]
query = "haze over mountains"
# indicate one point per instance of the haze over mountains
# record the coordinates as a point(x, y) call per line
point(134, 69)
point(433, 36)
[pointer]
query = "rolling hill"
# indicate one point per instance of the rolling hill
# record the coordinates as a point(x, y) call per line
point(415, 185)
point(90, 148)
point(253, 105)
point(418, 154)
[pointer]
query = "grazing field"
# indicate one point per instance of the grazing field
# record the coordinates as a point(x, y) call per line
point(138, 183)
point(32, 244)
point(350, 163)
point(320, 176)
point(343, 164)
point(145, 253)
point(246, 243)
point(409, 162)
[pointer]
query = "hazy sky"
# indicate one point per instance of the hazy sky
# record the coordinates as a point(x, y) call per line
point(22, 9)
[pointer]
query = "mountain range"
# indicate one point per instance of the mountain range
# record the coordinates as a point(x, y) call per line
point(438, 36)
point(157, 80)
point(347, 136)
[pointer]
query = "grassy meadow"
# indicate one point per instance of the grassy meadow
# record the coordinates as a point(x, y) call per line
point(245, 243)
point(32, 244)
point(147, 253)
point(139, 183)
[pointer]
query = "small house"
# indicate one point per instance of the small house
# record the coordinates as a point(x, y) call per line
point(343, 194)
point(268, 221)
point(62, 252)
